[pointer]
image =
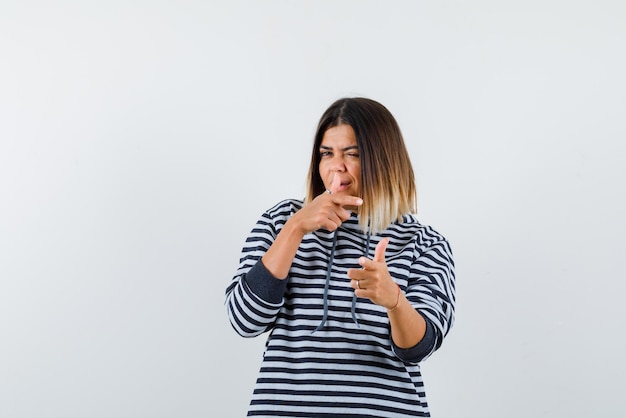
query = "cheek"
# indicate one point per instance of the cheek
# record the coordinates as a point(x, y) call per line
point(323, 170)
point(355, 171)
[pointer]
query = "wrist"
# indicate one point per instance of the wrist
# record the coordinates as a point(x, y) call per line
point(393, 308)
point(294, 227)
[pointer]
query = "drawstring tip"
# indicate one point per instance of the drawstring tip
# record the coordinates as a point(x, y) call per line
point(353, 311)
point(320, 326)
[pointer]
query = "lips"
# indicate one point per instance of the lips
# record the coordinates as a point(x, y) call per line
point(338, 184)
point(344, 186)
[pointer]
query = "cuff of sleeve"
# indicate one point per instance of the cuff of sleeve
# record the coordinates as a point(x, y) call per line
point(263, 284)
point(422, 349)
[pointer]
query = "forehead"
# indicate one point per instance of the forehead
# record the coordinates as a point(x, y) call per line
point(339, 136)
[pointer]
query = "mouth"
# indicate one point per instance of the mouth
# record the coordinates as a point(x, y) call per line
point(344, 185)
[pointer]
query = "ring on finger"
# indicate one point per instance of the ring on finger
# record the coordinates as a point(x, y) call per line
point(358, 286)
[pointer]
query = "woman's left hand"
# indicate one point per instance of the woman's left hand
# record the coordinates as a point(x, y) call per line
point(373, 281)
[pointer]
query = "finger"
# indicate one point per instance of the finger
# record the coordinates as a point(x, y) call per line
point(356, 274)
point(332, 222)
point(366, 263)
point(344, 214)
point(379, 253)
point(344, 200)
point(335, 183)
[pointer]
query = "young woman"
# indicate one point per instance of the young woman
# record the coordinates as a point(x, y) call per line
point(352, 289)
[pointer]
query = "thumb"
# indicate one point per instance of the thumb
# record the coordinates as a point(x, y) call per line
point(379, 253)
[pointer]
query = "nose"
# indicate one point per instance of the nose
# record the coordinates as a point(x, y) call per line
point(338, 164)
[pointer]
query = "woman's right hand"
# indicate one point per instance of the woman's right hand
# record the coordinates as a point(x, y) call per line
point(326, 211)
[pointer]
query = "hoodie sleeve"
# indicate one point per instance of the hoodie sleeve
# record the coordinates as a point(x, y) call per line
point(431, 289)
point(254, 297)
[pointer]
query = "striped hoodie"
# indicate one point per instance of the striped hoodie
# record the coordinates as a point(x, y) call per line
point(329, 354)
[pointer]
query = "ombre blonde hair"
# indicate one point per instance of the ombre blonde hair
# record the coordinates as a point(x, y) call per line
point(387, 178)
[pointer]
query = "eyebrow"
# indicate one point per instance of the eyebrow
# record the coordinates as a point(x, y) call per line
point(343, 149)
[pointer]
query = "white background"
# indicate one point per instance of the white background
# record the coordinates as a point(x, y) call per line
point(140, 141)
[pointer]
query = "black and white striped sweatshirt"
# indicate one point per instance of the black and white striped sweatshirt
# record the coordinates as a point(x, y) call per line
point(345, 365)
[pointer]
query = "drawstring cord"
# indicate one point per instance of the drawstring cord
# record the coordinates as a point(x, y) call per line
point(327, 284)
point(365, 254)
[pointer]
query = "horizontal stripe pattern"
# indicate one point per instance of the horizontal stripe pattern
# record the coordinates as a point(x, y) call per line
point(343, 369)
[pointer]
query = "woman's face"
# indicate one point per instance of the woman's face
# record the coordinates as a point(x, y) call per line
point(339, 156)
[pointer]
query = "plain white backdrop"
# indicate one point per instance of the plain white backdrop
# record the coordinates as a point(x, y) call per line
point(141, 140)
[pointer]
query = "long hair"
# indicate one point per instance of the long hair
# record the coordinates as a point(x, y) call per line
point(387, 178)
